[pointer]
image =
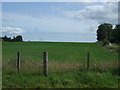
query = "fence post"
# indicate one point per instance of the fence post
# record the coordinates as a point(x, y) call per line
point(45, 63)
point(88, 60)
point(18, 61)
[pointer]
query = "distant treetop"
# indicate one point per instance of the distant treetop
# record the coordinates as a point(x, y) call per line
point(15, 39)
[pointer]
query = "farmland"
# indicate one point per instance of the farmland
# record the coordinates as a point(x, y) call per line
point(67, 65)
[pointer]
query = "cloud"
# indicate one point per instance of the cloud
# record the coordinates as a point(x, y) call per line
point(50, 27)
point(46, 23)
point(82, 27)
point(106, 12)
point(11, 30)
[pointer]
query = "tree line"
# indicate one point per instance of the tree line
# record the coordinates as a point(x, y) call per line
point(14, 39)
point(106, 33)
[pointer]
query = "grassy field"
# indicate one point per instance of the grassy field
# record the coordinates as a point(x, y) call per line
point(67, 65)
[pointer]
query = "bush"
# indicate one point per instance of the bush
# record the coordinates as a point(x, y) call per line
point(105, 42)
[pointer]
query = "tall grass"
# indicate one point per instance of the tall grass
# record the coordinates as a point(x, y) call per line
point(54, 66)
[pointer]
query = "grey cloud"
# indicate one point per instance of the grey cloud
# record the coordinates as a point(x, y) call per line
point(11, 30)
point(106, 12)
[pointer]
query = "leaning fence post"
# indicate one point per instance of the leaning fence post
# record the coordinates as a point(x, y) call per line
point(88, 60)
point(18, 61)
point(45, 63)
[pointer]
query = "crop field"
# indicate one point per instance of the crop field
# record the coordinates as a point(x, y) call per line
point(66, 65)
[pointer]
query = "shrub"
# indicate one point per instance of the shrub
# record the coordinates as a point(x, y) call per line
point(105, 42)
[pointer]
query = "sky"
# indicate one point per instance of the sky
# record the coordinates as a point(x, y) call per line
point(57, 21)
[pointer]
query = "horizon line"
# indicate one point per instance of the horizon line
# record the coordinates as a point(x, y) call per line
point(58, 41)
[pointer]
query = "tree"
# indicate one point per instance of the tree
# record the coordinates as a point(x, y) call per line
point(15, 39)
point(19, 38)
point(112, 37)
point(117, 33)
point(104, 32)
point(5, 38)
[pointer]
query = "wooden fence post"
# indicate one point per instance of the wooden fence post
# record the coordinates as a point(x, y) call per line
point(18, 61)
point(45, 63)
point(88, 60)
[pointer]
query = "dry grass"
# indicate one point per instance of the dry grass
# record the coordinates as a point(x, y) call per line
point(105, 65)
point(33, 65)
point(56, 66)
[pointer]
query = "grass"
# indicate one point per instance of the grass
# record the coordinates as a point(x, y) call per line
point(57, 51)
point(68, 79)
point(67, 65)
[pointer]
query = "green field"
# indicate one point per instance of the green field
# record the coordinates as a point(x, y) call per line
point(67, 65)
